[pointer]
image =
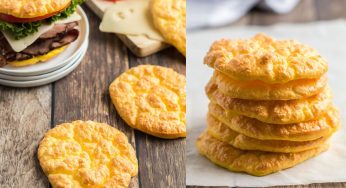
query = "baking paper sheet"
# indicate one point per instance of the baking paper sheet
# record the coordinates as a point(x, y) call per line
point(329, 38)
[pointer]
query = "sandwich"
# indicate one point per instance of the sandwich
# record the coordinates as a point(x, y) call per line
point(33, 31)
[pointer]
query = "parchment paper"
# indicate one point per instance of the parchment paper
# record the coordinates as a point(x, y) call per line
point(327, 37)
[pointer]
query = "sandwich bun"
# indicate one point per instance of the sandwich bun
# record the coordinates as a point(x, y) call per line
point(28, 9)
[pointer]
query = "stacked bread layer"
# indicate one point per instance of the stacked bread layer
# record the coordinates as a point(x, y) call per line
point(270, 105)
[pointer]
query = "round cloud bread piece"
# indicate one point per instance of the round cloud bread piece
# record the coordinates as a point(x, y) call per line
point(275, 111)
point(87, 154)
point(257, 163)
point(151, 99)
point(303, 131)
point(258, 90)
point(223, 133)
point(32, 8)
point(266, 59)
point(169, 18)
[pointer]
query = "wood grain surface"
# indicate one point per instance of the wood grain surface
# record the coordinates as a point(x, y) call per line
point(306, 11)
point(26, 114)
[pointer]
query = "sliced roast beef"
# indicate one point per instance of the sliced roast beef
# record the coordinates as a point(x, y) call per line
point(67, 39)
point(58, 28)
point(60, 35)
point(43, 46)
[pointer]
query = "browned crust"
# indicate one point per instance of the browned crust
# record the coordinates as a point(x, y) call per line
point(87, 154)
point(302, 131)
point(169, 17)
point(266, 59)
point(258, 90)
point(257, 163)
point(222, 132)
point(151, 99)
point(273, 111)
point(32, 8)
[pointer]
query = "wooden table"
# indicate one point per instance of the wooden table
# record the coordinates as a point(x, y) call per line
point(26, 114)
point(306, 11)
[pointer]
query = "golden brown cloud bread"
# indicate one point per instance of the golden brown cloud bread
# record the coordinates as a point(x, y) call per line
point(266, 59)
point(257, 163)
point(87, 154)
point(258, 90)
point(303, 131)
point(222, 132)
point(275, 111)
point(32, 8)
point(169, 18)
point(151, 99)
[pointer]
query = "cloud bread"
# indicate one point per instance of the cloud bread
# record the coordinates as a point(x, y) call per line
point(258, 90)
point(303, 131)
point(276, 111)
point(169, 18)
point(266, 59)
point(87, 154)
point(151, 99)
point(32, 8)
point(222, 132)
point(257, 163)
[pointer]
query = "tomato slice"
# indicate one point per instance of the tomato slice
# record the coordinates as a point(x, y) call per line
point(13, 19)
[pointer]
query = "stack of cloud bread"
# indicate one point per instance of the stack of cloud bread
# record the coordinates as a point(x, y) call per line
point(270, 105)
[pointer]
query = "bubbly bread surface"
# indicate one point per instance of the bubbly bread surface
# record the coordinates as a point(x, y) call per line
point(257, 163)
point(87, 154)
point(266, 59)
point(169, 17)
point(32, 8)
point(273, 111)
point(151, 99)
point(258, 90)
point(222, 132)
point(302, 131)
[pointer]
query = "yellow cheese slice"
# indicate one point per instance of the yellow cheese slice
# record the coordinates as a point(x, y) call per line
point(21, 44)
point(38, 59)
point(130, 18)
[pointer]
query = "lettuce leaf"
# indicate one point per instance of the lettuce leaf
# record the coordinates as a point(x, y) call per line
point(21, 30)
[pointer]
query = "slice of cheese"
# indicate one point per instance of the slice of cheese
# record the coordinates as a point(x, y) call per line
point(21, 44)
point(38, 59)
point(130, 18)
point(72, 18)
